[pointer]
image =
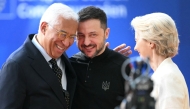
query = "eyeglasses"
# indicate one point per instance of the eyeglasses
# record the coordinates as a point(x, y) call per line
point(63, 35)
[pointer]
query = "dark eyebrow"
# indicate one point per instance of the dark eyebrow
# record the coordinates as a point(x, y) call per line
point(92, 32)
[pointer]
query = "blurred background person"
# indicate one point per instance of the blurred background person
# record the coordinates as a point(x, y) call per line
point(156, 37)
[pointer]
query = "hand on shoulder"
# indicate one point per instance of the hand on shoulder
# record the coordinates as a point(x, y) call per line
point(122, 48)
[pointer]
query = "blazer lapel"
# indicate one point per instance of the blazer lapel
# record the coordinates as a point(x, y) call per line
point(71, 76)
point(43, 69)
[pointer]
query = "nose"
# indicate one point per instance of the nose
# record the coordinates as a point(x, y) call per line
point(86, 40)
point(67, 42)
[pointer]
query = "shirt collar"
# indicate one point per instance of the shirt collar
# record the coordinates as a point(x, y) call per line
point(40, 48)
point(101, 56)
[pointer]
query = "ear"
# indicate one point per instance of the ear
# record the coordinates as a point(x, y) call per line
point(152, 45)
point(43, 27)
point(107, 32)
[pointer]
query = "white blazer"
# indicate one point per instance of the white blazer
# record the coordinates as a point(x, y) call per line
point(170, 89)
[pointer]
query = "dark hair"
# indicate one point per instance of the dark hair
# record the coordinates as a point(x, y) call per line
point(92, 12)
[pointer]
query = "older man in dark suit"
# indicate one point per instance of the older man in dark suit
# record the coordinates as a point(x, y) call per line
point(38, 75)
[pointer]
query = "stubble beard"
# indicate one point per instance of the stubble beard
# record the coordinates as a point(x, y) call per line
point(97, 50)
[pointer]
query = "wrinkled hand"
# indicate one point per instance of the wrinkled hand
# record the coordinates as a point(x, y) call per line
point(126, 51)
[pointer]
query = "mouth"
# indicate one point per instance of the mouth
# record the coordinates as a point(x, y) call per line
point(88, 47)
point(60, 48)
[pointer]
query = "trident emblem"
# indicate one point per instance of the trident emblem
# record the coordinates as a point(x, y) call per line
point(105, 85)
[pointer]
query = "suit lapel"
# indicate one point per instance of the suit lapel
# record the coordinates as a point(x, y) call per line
point(43, 69)
point(71, 76)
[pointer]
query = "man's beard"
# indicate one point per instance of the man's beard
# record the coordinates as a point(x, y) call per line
point(97, 50)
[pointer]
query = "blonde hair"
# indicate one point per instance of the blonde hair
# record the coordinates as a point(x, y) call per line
point(160, 29)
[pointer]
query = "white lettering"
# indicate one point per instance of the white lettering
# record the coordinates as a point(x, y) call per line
point(25, 11)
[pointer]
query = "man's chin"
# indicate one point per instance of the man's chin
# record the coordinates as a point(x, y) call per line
point(90, 55)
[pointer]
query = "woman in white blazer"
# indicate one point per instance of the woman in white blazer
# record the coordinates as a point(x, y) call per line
point(156, 37)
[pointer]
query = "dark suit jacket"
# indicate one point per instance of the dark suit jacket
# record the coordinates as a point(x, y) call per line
point(28, 82)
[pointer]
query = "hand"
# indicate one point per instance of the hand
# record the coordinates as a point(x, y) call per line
point(126, 51)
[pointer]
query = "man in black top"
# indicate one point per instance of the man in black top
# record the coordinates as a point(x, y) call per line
point(98, 68)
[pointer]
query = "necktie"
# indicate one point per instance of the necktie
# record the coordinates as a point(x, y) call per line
point(58, 73)
point(56, 69)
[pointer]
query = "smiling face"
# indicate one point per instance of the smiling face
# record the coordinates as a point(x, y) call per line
point(91, 37)
point(51, 41)
point(143, 47)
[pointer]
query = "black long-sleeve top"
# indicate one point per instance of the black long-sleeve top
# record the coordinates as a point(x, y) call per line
point(99, 80)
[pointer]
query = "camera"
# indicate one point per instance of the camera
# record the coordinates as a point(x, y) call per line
point(138, 85)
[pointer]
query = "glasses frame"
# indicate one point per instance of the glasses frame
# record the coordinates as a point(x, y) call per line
point(63, 34)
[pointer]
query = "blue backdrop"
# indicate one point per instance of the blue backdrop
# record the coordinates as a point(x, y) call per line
point(18, 18)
